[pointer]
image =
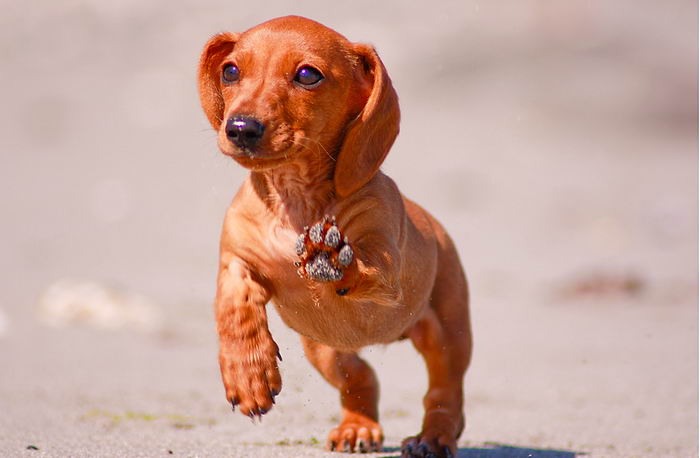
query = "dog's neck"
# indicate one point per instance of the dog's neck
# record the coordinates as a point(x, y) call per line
point(296, 194)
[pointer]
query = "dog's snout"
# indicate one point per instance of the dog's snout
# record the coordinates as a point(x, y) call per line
point(244, 131)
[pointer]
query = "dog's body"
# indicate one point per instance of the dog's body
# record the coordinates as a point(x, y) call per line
point(313, 116)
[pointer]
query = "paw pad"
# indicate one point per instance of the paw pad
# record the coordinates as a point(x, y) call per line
point(323, 251)
point(333, 237)
point(320, 268)
point(345, 255)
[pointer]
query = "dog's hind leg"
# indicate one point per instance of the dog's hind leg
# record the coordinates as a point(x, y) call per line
point(359, 429)
point(443, 338)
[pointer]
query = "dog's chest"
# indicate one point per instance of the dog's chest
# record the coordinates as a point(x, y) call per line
point(277, 257)
point(279, 242)
point(311, 308)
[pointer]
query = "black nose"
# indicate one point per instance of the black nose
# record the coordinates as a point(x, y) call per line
point(244, 131)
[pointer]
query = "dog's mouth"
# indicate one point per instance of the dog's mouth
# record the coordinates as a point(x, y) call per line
point(280, 148)
point(256, 158)
point(247, 153)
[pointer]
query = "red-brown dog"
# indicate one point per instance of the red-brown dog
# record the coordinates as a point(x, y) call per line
point(313, 116)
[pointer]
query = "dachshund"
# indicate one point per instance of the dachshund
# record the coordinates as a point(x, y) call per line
point(320, 232)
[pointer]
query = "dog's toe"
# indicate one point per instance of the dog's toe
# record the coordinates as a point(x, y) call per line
point(361, 437)
point(345, 255)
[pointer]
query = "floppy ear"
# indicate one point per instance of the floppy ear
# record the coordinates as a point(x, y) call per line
point(369, 136)
point(216, 49)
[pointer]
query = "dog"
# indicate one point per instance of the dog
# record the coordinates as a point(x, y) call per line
point(324, 235)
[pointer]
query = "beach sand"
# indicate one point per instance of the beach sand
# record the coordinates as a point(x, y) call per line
point(560, 153)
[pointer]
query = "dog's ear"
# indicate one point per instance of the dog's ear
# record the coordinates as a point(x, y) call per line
point(369, 136)
point(216, 49)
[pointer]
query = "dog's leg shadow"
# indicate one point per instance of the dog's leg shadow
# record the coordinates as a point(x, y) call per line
point(496, 450)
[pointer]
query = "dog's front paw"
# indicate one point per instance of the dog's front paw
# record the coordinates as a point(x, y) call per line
point(251, 376)
point(359, 434)
point(323, 251)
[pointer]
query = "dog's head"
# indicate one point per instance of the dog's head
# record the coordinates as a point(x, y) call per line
point(293, 90)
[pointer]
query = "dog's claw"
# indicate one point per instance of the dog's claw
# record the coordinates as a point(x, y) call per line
point(347, 448)
point(279, 356)
point(447, 451)
point(332, 446)
point(361, 446)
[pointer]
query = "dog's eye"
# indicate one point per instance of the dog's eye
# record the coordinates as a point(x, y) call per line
point(230, 74)
point(308, 77)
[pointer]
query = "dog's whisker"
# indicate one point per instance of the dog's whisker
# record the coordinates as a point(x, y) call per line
point(320, 146)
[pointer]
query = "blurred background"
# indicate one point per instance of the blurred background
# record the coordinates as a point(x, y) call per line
point(565, 167)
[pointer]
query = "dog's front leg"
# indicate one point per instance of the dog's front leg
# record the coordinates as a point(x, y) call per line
point(359, 396)
point(247, 354)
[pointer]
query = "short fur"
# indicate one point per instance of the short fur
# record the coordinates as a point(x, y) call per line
point(320, 155)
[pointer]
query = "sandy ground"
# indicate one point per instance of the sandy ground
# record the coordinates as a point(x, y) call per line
point(557, 142)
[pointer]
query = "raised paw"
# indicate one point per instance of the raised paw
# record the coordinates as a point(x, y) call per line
point(323, 251)
point(251, 377)
point(363, 436)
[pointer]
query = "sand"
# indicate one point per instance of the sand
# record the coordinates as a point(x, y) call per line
point(557, 142)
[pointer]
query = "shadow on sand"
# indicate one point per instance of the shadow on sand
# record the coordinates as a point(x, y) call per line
point(501, 451)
